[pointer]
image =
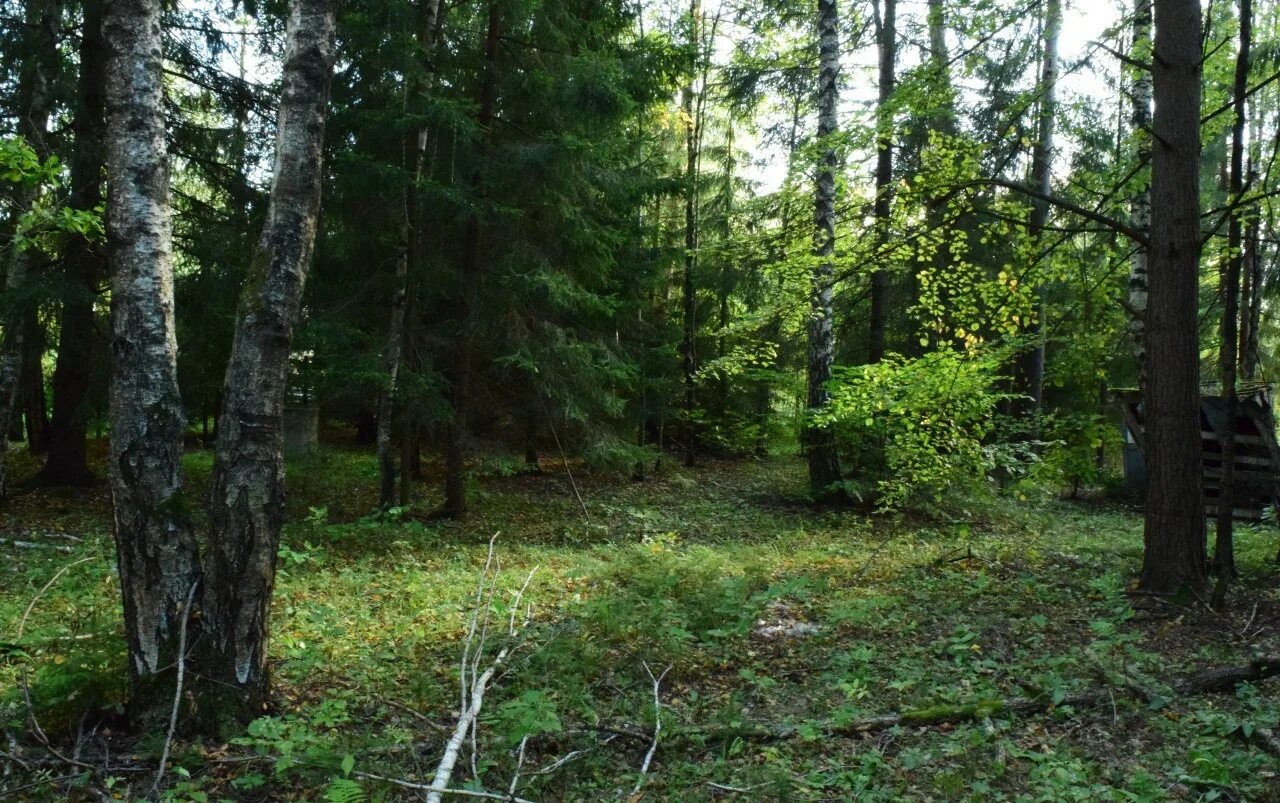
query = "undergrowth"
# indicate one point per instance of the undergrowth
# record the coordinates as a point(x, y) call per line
point(696, 570)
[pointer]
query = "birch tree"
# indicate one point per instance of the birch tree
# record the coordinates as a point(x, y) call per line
point(1140, 204)
point(819, 444)
point(247, 493)
point(155, 547)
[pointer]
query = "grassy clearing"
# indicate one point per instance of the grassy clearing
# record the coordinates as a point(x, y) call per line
point(1005, 599)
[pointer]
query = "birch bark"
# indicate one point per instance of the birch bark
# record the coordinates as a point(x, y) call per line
point(247, 493)
point(818, 442)
point(155, 549)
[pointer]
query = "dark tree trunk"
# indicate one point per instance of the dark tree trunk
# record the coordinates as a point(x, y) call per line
point(67, 463)
point(1174, 533)
point(401, 302)
point(531, 439)
point(455, 483)
point(884, 176)
point(689, 298)
point(1224, 552)
point(246, 490)
point(818, 441)
point(366, 426)
point(1029, 376)
point(34, 402)
point(156, 551)
point(1251, 303)
point(39, 69)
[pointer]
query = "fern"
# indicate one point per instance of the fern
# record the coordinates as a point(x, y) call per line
point(344, 790)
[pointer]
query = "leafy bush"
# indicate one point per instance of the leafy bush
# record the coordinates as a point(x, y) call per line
point(915, 426)
point(1071, 454)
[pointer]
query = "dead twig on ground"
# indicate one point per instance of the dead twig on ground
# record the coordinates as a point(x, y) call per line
point(473, 693)
point(177, 690)
point(657, 725)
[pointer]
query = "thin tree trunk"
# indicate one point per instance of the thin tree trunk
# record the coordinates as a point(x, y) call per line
point(246, 494)
point(39, 68)
point(818, 441)
point(689, 299)
point(35, 403)
point(455, 487)
point(1030, 368)
point(1140, 204)
point(416, 149)
point(1251, 302)
point(1224, 552)
point(1174, 533)
point(884, 176)
point(391, 359)
point(155, 549)
point(531, 439)
point(67, 463)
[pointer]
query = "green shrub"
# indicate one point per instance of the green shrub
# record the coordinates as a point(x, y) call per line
point(915, 427)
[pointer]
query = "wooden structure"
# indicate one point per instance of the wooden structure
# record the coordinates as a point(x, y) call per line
point(301, 429)
point(1257, 459)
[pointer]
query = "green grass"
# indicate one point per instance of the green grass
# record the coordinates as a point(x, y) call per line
point(1006, 598)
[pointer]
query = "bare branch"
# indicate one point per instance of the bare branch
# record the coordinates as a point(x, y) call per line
point(657, 725)
point(177, 689)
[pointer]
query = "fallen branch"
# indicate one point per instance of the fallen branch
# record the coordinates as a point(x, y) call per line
point(1206, 682)
point(435, 792)
point(473, 693)
point(657, 725)
point(1227, 678)
point(33, 545)
point(1266, 739)
point(177, 689)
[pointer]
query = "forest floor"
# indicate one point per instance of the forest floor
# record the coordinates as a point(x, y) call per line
point(780, 629)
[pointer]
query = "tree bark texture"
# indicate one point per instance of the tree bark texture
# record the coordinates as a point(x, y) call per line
point(818, 441)
point(1174, 532)
point(67, 462)
point(247, 493)
point(154, 544)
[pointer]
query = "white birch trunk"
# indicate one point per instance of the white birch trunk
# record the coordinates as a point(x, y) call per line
point(1140, 205)
point(156, 551)
point(819, 445)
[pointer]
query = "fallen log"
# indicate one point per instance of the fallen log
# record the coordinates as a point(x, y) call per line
point(1227, 678)
point(1206, 682)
